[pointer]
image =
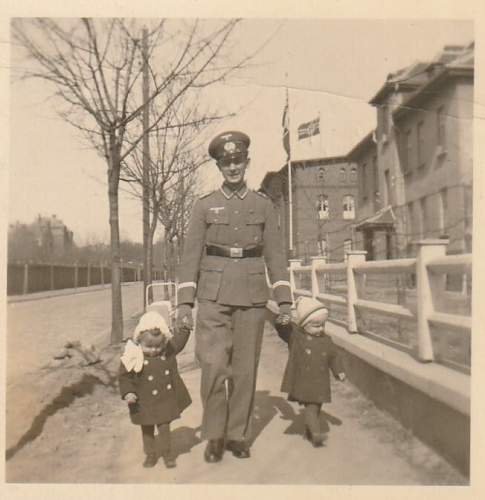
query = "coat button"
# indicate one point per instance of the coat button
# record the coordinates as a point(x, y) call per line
point(236, 211)
point(169, 386)
point(308, 351)
point(154, 392)
point(145, 362)
point(162, 358)
point(150, 377)
point(167, 372)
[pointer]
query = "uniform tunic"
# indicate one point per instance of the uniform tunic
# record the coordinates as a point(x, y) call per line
point(242, 220)
point(162, 394)
point(306, 378)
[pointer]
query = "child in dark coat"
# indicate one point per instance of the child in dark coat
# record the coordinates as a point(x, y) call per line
point(151, 385)
point(312, 355)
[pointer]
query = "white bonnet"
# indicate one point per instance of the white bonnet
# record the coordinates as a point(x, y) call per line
point(150, 320)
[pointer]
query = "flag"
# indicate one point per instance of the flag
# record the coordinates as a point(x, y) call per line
point(309, 128)
point(286, 128)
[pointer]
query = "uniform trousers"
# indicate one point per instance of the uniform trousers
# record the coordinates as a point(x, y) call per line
point(148, 435)
point(228, 347)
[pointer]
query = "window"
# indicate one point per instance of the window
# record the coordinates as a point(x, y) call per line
point(347, 247)
point(375, 175)
point(384, 120)
point(423, 207)
point(440, 126)
point(420, 144)
point(322, 247)
point(363, 182)
point(407, 151)
point(322, 207)
point(343, 175)
point(348, 207)
point(353, 175)
point(321, 174)
point(387, 194)
point(442, 210)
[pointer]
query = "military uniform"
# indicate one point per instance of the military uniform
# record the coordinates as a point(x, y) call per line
point(233, 237)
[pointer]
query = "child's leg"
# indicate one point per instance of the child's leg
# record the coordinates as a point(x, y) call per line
point(166, 444)
point(312, 417)
point(148, 435)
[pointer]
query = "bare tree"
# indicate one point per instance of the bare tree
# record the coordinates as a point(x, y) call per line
point(95, 68)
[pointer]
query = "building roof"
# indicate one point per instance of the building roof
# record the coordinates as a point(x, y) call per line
point(366, 143)
point(383, 219)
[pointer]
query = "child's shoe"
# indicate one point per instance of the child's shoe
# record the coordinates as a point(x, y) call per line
point(150, 460)
point(317, 439)
point(169, 461)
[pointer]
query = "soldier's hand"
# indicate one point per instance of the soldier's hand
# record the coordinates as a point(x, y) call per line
point(131, 398)
point(184, 319)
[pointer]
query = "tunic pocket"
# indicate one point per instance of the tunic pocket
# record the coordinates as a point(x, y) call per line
point(258, 285)
point(209, 283)
point(255, 224)
point(217, 228)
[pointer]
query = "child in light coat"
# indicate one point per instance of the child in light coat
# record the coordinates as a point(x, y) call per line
point(312, 355)
point(151, 385)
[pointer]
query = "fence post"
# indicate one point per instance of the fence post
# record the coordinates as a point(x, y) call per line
point(319, 259)
point(294, 264)
point(76, 275)
point(101, 271)
point(427, 251)
point(51, 275)
point(353, 257)
point(88, 275)
point(25, 284)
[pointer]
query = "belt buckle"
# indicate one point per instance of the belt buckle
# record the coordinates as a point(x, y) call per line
point(236, 253)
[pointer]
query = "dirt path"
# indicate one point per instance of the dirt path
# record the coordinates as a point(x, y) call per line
point(87, 437)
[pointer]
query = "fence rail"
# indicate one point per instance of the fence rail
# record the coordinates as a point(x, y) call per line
point(415, 306)
point(28, 278)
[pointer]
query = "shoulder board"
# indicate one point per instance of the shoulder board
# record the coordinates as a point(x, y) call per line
point(205, 195)
point(264, 195)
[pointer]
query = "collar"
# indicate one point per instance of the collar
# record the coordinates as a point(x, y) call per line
point(229, 193)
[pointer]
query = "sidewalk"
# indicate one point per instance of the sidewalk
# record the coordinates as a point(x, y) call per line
point(89, 438)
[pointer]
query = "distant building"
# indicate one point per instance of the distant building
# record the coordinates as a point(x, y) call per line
point(422, 162)
point(324, 194)
point(46, 239)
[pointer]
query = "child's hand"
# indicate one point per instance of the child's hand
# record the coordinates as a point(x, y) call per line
point(341, 376)
point(131, 398)
point(283, 319)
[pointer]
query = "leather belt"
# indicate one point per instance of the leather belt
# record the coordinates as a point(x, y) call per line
point(234, 252)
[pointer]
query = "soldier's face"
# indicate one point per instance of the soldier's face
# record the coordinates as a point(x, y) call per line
point(233, 169)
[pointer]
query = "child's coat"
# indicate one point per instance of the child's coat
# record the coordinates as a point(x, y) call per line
point(306, 378)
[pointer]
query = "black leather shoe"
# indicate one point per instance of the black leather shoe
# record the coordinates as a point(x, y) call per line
point(240, 449)
point(214, 450)
point(150, 460)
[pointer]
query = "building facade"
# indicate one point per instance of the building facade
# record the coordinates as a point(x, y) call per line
point(324, 203)
point(423, 158)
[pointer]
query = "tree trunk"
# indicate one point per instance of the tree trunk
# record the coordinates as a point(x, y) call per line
point(116, 302)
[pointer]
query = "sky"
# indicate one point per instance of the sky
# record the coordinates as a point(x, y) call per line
point(332, 69)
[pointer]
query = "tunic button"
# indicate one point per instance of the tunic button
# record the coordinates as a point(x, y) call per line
point(169, 386)
point(236, 228)
point(150, 377)
point(154, 392)
point(167, 372)
point(145, 362)
point(236, 211)
point(308, 351)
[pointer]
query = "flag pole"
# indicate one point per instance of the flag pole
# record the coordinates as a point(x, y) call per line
point(290, 182)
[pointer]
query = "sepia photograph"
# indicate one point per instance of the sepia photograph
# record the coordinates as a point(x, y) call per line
point(238, 250)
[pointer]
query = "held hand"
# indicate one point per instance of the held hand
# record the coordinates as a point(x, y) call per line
point(131, 398)
point(341, 377)
point(184, 318)
point(284, 317)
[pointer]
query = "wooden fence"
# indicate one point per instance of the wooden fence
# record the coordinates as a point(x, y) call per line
point(401, 302)
point(36, 277)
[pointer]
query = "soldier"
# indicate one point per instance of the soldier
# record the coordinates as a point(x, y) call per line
point(233, 233)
